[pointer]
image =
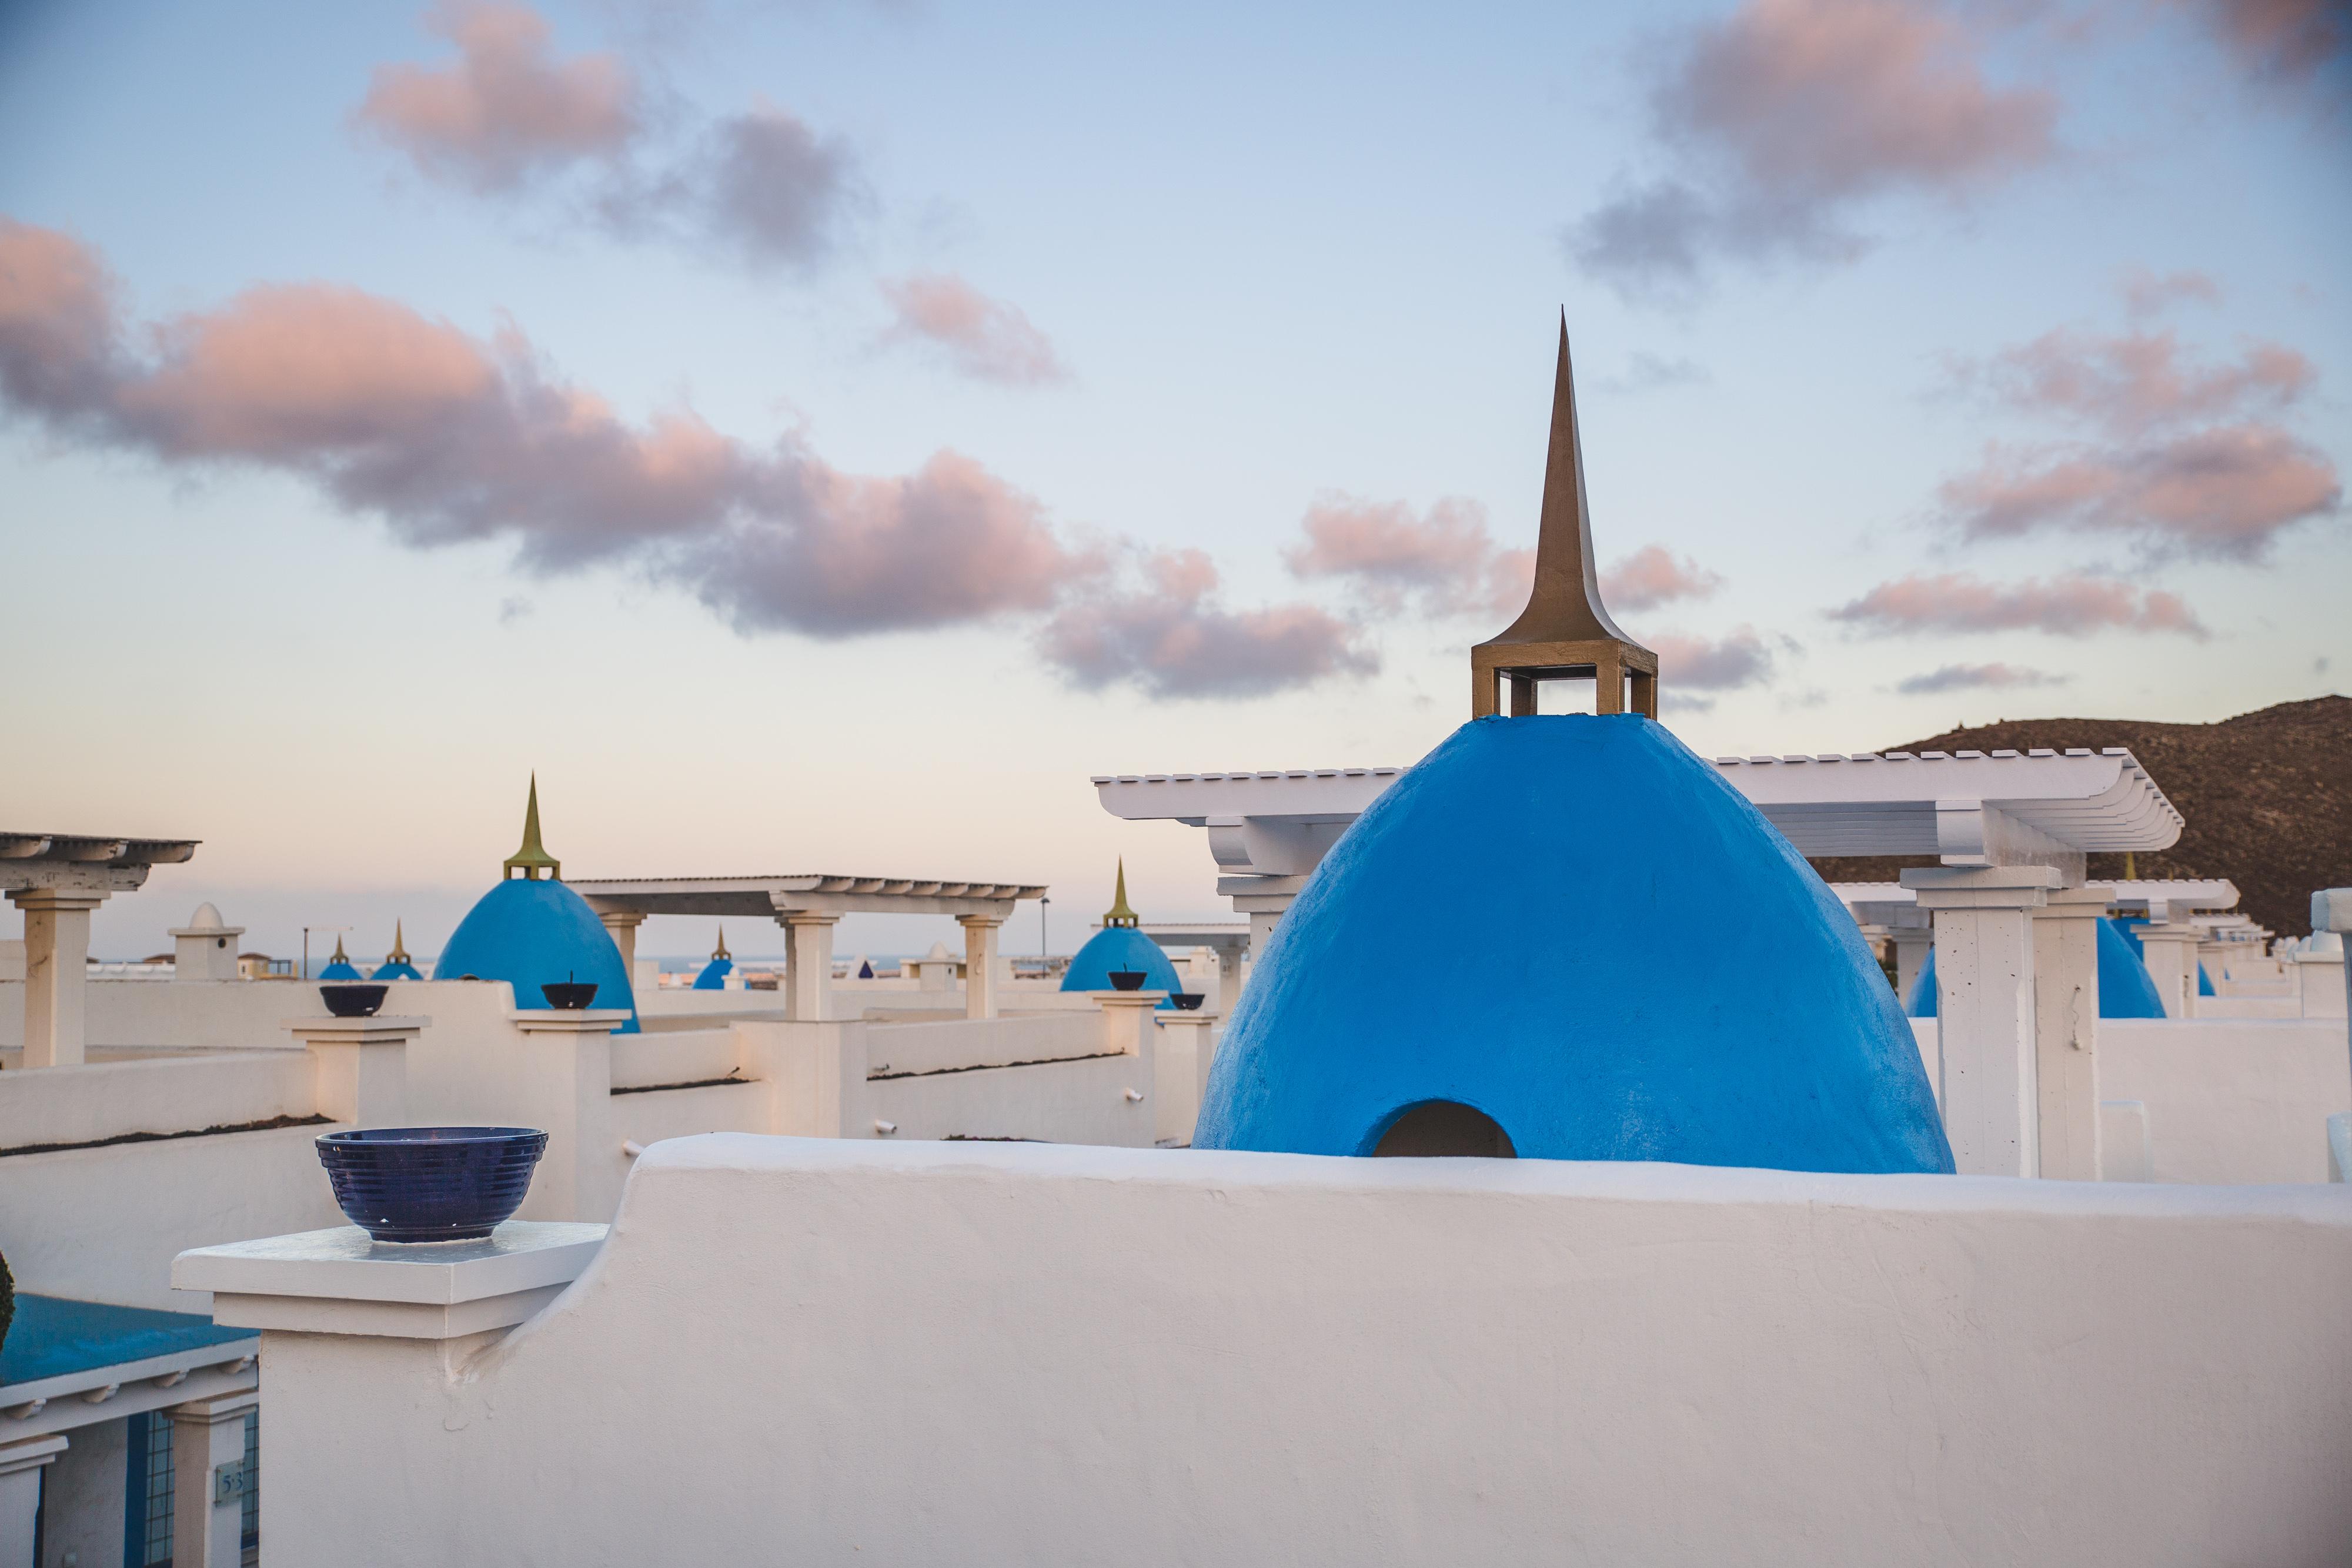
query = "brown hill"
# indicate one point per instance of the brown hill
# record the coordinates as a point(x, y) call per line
point(2268, 796)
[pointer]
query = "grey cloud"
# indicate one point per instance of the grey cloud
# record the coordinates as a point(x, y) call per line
point(1172, 637)
point(1976, 677)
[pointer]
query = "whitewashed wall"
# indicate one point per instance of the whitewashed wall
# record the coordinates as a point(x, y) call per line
point(846, 1351)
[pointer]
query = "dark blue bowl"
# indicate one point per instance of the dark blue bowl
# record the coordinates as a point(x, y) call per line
point(430, 1184)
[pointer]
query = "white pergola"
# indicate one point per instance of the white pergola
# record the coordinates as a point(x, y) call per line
point(56, 879)
point(807, 906)
point(2018, 1066)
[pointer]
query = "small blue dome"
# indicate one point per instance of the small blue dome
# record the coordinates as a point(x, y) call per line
point(399, 969)
point(2204, 981)
point(339, 970)
point(1120, 947)
point(1564, 1007)
point(531, 933)
point(714, 975)
point(2126, 989)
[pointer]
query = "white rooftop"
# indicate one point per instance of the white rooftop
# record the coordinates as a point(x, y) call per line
point(761, 898)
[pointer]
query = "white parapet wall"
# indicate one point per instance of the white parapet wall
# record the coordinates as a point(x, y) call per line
point(837, 1351)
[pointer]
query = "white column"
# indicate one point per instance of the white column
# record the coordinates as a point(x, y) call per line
point(622, 926)
point(20, 1495)
point(2066, 1031)
point(2319, 980)
point(1229, 977)
point(808, 964)
point(207, 1508)
point(2169, 950)
point(359, 1066)
point(57, 953)
point(1127, 1018)
point(1181, 1073)
point(1984, 1009)
point(571, 1074)
point(979, 935)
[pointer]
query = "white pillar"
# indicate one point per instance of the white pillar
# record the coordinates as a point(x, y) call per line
point(208, 1506)
point(359, 1066)
point(2320, 983)
point(622, 926)
point(570, 1058)
point(1912, 946)
point(1984, 1010)
point(2169, 950)
point(979, 935)
point(20, 1495)
point(1127, 1018)
point(1181, 1073)
point(808, 964)
point(2331, 910)
point(2066, 1031)
point(1229, 977)
point(56, 954)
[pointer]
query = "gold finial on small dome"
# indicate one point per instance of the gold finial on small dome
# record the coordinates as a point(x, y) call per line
point(720, 951)
point(1564, 631)
point(1119, 914)
point(532, 858)
point(398, 955)
point(339, 957)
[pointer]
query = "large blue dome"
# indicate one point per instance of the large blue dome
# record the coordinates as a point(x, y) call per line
point(2125, 988)
point(1120, 947)
point(1556, 864)
point(531, 933)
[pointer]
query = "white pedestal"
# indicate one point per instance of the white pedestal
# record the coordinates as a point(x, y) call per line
point(360, 1065)
point(2170, 951)
point(1984, 1009)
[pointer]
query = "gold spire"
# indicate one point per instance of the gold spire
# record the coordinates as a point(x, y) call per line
point(1119, 914)
point(339, 957)
point(1565, 630)
point(398, 955)
point(721, 952)
point(534, 856)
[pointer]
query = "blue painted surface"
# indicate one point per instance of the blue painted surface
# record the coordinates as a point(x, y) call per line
point(2204, 981)
point(54, 1336)
point(535, 933)
point(339, 972)
point(714, 975)
point(1569, 852)
point(395, 972)
point(1120, 947)
point(2125, 988)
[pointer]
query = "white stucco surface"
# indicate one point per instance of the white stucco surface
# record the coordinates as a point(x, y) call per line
point(839, 1351)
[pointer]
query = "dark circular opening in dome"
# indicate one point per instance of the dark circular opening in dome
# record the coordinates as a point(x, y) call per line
point(1443, 1129)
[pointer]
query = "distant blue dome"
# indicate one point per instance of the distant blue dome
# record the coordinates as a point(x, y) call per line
point(2126, 989)
point(1120, 947)
point(534, 933)
point(714, 975)
point(1565, 1005)
point(2204, 981)
point(396, 971)
point(338, 971)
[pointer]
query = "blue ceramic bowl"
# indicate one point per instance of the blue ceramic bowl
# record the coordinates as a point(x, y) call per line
point(430, 1184)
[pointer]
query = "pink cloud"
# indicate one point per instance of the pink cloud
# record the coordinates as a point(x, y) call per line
point(2276, 40)
point(2074, 606)
point(506, 107)
point(1172, 638)
point(1739, 658)
point(2148, 293)
point(2139, 381)
point(986, 339)
point(1652, 576)
point(1786, 114)
point(1976, 677)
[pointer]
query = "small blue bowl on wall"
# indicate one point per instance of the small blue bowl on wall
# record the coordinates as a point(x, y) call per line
point(430, 1184)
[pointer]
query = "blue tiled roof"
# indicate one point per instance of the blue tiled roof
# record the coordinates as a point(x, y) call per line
point(54, 1336)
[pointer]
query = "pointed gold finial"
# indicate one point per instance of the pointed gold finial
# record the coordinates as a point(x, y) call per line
point(1119, 914)
point(1565, 630)
point(339, 957)
point(533, 857)
point(720, 951)
point(399, 954)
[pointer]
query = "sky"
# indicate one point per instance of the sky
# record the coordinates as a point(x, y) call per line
point(818, 436)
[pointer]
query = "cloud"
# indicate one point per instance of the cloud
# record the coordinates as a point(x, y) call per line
point(1444, 562)
point(448, 438)
point(1741, 658)
point(1171, 637)
point(2074, 606)
point(1650, 577)
point(1784, 117)
point(515, 609)
point(2277, 41)
point(1976, 677)
point(759, 186)
point(1646, 371)
point(2183, 456)
point(505, 108)
point(986, 339)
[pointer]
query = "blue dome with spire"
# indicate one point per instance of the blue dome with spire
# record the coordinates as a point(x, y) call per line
point(1120, 945)
point(1565, 854)
point(722, 964)
point(532, 931)
point(2125, 988)
point(396, 965)
point(339, 967)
